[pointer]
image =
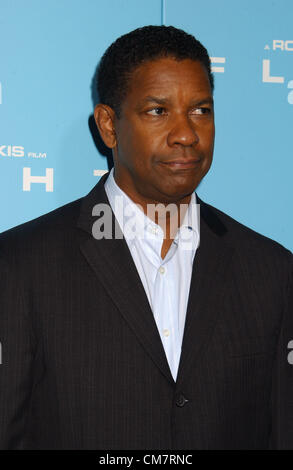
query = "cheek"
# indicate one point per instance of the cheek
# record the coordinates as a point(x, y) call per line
point(132, 139)
point(212, 134)
point(135, 153)
point(143, 147)
point(207, 141)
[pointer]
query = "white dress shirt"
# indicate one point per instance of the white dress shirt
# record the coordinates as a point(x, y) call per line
point(166, 281)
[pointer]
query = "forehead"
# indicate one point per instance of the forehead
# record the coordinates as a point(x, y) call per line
point(171, 76)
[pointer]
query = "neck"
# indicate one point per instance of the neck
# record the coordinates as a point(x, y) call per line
point(169, 215)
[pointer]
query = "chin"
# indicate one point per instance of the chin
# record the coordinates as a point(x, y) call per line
point(182, 189)
point(175, 194)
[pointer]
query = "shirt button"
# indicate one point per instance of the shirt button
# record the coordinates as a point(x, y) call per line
point(166, 332)
point(162, 270)
point(154, 230)
point(181, 400)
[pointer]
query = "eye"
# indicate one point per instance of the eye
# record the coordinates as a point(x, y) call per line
point(201, 110)
point(158, 111)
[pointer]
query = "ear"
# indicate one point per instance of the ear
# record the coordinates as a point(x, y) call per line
point(104, 117)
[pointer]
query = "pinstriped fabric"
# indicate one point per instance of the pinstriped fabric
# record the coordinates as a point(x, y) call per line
point(83, 366)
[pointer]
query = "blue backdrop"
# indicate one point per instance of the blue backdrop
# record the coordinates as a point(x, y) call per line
point(49, 52)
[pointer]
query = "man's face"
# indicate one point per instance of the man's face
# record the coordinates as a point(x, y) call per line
point(165, 135)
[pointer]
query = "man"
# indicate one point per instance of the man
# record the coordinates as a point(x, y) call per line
point(168, 339)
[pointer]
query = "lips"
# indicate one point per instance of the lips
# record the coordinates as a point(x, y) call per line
point(181, 163)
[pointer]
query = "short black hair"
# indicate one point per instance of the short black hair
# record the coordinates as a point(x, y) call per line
point(139, 46)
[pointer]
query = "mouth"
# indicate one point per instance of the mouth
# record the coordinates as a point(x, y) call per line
point(182, 164)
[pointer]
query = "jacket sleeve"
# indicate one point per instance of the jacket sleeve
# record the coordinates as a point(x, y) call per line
point(282, 384)
point(17, 350)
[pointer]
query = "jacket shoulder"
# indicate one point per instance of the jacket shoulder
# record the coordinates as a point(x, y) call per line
point(59, 221)
point(242, 236)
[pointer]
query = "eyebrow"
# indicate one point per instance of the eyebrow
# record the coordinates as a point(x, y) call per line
point(155, 99)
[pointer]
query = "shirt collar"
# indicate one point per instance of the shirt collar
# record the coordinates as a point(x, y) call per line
point(123, 207)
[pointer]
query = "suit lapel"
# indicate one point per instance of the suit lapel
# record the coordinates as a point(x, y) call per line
point(208, 283)
point(112, 263)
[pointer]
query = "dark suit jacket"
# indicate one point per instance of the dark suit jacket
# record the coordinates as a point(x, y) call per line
point(83, 366)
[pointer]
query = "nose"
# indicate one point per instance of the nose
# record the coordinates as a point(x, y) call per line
point(182, 132)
